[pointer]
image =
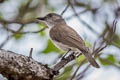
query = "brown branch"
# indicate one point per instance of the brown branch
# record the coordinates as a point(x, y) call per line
point(27, 32)
point(19, 67)
point(66, 60)
point(16, 21)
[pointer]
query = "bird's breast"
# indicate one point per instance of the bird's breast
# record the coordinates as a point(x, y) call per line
point(63, 46)
point(56, 42)
point(60, 45)
point(55, 36)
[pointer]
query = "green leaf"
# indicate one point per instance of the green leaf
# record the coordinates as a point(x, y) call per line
point(0, 15)
point(49, 6)
point(66, 74)
point(87, 44)
point(111, 58)
point(50, 48)
point(42, 33)
point(40, 26)
point(45, 2)
point(79, 59)
point(118, 62)
point(116, 41)
point(108, 60)
point(18, 36)
point(102, 61)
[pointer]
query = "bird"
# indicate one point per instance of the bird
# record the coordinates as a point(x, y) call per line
point(65, 37)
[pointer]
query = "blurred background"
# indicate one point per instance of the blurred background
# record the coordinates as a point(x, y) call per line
point(92, 19)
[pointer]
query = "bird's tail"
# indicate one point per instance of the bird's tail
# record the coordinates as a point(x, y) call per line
point(91, 60)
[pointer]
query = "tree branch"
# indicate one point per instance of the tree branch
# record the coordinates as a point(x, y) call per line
point(66, 60)
point(19, 67)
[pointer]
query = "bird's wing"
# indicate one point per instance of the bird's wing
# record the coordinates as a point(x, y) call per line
point(68, 36)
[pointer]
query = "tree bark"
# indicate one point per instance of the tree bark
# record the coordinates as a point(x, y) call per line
point(15, 66)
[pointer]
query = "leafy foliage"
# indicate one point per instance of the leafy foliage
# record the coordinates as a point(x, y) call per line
point(40, 26)
point(18, 36)
point(79, 59)
point(108, 60)
point(66, 74)
point(50, 48)
point(0, 15)
point(87, 44)
point(111, 58)
point(116, 41)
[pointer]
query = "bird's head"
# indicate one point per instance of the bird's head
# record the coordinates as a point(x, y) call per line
point(51, 19)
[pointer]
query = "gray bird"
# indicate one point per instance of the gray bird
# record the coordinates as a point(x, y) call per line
point(64, 37)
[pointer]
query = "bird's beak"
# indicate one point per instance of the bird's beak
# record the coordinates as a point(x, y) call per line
point(41, 18)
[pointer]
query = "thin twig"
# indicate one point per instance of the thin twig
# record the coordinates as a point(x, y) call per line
point(94, 46)
point(80, 75)
point(81, 12)
point(26, 32)
point(10, 36)
point(5, 41)
point(110, 40)
point(98, 50)
point(76, 14)
point(81, 63)
point(65, 9)
point(30, 54)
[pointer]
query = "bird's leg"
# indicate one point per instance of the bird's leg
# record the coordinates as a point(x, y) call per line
point(63, 57)
point(77, 54)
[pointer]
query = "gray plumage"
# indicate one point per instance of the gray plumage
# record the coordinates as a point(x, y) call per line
point(65, 37)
